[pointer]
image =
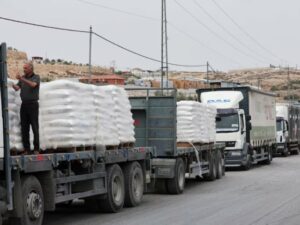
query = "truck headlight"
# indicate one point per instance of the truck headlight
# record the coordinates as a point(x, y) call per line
point(230, 143)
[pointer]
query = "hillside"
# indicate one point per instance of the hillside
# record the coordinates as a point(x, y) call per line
point(49, 71)
point(269, 79)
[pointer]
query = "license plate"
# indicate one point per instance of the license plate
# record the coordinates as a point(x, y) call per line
point(235, 153)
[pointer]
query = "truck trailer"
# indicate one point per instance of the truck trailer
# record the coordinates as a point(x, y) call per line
point(288, 128)
point(247, 123)
point(154, 113)
point(32, 184)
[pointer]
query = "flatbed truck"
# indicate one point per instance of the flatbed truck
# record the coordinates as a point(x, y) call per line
point(32, 184)
point(155, 115)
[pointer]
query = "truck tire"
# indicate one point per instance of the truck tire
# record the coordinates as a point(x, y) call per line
point(134, 184)
point(114, 199)
point(219, 166)
point(176, 185)
point(2, 193)
point(295, 152)
point(32, 201)
point(269, 159)
point(285, 151)
point(248, 163)
point(212, 174)
point(160, 186)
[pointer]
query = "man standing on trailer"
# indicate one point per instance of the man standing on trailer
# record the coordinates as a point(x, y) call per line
point(29, 84)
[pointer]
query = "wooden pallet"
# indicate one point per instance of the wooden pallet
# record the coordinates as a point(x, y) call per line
point(14, 152)
point(69, 149)
point(126, 145)
point(112, 147)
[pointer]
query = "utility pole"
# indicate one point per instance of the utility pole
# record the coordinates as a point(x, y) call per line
point(164, 45)
point(207, 71)
point(289, 84)
point(90, 54)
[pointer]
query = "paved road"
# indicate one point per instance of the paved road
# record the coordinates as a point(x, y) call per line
point(264, 195)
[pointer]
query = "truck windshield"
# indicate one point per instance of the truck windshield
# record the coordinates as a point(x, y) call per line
point(228, 123)
point(279, 125)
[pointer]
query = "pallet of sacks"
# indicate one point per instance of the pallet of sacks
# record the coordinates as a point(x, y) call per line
point(76, 116)
point(195, 123)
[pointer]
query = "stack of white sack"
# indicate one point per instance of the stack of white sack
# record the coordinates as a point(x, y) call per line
point(107, 132)
point(14, 105)
point(122, 113)
point(67, 115)
point(74, 114)
point(211, 121)
point(195, 122)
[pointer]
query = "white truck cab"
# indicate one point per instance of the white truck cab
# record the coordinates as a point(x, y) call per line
point(230, 125)
point(246, 122)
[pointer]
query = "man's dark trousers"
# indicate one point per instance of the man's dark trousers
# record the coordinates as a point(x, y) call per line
point(30, 116)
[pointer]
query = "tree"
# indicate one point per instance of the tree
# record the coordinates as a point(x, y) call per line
point(46, 61)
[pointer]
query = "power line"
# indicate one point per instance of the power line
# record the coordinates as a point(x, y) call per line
point(99, 36)
point(230, 33)
point(118, 10)
point(157, 20)
point(143, 56)
point(245, 32)
point(215, 33)
point(43, 26)
point(202, 43)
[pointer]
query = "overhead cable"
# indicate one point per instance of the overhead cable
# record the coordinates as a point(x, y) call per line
point(100, 36)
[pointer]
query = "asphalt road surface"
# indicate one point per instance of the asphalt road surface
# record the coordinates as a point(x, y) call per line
point(263, 195)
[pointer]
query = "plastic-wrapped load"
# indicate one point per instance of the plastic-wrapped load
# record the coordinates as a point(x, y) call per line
point(73, 114)
point(195, 122)
point(14, 105)
point(67, 115)
point(107, 131)
point(122, 113)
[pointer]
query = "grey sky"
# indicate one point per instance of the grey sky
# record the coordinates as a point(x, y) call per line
point(272, 22)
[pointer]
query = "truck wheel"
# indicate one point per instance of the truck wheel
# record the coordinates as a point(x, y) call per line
point(269, 159)
point(32, 201)
point(160, 186)
point(248, 163)
point(219, 166)
point(176, 184)
point(212, 174)
point(134, 184)
point(295, 152)
point(115, 196)
point(2, 193)
point(285, 152)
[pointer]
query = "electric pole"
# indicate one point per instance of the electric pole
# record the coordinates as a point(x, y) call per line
point(164, 45)
point(207, 71)
point(289, 84)
point(90, 54)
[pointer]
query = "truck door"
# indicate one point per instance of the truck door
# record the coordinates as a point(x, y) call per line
point(1, 131)
point(285, 130)
point(243, 128)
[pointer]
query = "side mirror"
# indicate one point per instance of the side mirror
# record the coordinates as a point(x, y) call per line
point(248, 118)
point(218, 118)
point(249, 126)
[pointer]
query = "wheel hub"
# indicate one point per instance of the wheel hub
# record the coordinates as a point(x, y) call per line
point(34, 205)
point(181, 177)
point(137, 184)
point(117, 189)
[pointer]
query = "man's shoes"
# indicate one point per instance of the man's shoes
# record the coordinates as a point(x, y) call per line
point(36, 152)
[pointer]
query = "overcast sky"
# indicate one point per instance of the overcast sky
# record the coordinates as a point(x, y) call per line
point(198, 31)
